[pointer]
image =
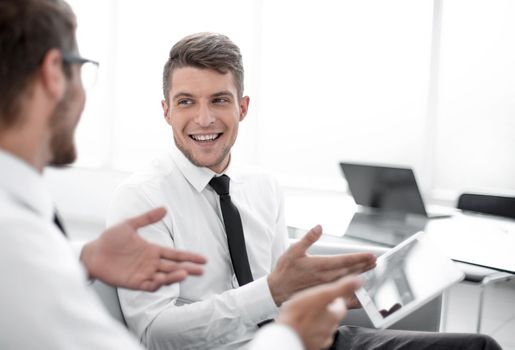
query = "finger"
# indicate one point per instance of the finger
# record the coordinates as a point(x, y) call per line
point(352, 302)
point(330, 338)
point(357, 261)
point(162, 279)
point(332, 275)
point(319, 297)
point(307, 241)
point(330, 325)
point(328, 341)
point(193, 269)
point(170, 266)
point(338, 308)
point(147, 218)
point(340, 288)
point(180, 255)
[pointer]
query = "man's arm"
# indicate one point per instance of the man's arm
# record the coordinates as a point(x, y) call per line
point(227, 318)
point(120, 257)
point(310, 319)
point(296, 270)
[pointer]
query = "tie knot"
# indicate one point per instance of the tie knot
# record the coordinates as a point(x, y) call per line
point(220, 184)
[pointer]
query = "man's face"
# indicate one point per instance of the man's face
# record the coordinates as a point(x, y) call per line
point(204, 112)
point(65, 119)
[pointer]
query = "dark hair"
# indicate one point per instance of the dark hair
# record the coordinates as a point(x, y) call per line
point(205, 51)
point(28, 30)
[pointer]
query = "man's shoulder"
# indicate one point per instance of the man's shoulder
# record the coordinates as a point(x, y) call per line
point(148, 187)
point(251, 172)
point(256, 176)
point(157, 170)
point(25, 230)
point(14, 211)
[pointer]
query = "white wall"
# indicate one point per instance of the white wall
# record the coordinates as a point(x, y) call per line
point(475, 144)
point(428, 84)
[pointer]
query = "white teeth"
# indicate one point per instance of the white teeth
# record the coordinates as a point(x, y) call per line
point(210, 137)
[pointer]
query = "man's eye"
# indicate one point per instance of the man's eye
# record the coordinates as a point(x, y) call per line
point(184, 102)
point(220, 100)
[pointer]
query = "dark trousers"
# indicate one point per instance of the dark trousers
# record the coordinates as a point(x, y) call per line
point(357, 338)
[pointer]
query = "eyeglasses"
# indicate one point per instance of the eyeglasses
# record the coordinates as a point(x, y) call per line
point(88, 68)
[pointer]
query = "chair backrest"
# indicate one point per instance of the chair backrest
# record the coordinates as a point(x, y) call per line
point(487, 204)
point(109, 298)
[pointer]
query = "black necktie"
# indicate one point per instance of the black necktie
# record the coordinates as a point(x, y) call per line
point(233, 230)
point(59, 224)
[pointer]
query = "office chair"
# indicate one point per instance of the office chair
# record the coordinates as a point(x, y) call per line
point(491, 205)
point(487, 204)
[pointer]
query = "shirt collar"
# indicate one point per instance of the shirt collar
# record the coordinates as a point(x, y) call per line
point(25, 185)
point(199, 177)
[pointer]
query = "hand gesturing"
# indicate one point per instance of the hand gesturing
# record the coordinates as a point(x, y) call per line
point(120, 257)
point(296, 270)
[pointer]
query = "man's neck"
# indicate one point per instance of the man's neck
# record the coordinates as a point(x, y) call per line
point(29, 137)
point(219, 169)
point(20, 142)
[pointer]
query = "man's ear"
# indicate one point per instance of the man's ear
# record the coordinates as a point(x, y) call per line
point(244, 107)
point(52, 75)
point(164, 105)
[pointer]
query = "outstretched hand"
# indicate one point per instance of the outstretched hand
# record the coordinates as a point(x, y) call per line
point(120, 257)
point(296, 270)
point(315, 313)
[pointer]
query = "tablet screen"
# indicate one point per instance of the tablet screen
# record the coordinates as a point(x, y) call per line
point(404, 279)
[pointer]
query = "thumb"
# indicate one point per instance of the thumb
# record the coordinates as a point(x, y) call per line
point(300, 247)
point(150, 217)
point(341, 288)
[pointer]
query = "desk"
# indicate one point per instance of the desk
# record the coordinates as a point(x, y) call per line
point(476, 239)
point(473, 239)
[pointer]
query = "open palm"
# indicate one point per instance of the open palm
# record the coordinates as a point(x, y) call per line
point(122, 258)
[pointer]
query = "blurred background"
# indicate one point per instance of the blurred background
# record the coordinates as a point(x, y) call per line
point(428, 84)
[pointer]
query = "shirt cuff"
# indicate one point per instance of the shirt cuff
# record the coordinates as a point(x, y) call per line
point(276, 336)
point(256, 301)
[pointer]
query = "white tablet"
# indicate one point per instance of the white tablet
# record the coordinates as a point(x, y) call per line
point(405, 278)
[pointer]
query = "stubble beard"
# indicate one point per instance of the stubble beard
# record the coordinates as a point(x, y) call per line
point(62, 144)
point(189, 155)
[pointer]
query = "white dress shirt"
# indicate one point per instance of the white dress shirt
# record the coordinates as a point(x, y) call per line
point(45, 302)
point(211, 311)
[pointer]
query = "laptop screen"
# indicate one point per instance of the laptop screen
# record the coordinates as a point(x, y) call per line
point(384, 188)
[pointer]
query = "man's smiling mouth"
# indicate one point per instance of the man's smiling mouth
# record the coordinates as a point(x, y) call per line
point(206, 137)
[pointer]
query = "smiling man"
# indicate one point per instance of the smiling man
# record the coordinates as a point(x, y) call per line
point(235, 217)
point(204, 109)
